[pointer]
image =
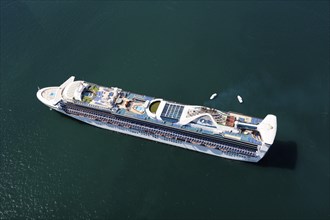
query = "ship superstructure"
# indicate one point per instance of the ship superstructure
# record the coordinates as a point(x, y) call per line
point(225, 134)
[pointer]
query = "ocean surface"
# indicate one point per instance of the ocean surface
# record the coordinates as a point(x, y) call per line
point(275, 54)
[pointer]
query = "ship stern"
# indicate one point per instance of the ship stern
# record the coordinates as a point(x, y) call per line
point(48, 96)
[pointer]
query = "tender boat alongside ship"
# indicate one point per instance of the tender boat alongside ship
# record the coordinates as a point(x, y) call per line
point(225, 134)
point(239, 98)
point(213, 96)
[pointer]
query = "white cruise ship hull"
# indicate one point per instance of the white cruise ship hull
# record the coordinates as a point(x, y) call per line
point(228, 135)
point(184, 145)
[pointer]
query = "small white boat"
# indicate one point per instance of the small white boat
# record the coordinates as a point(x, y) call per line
point(213, 96)
point(240, 99)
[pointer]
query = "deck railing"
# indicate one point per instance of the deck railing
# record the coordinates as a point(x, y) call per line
point(153, 131)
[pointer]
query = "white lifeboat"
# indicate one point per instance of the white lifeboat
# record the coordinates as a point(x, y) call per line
point(213, 96)
point(239, 98)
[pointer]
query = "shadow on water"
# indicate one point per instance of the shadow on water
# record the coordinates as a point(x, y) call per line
point(282, 154)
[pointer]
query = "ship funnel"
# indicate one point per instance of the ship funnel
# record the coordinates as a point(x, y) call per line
point(268, 128)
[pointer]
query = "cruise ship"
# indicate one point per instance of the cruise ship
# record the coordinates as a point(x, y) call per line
point(207, 130)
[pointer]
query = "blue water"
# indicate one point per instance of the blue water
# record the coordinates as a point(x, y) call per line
point(275, 54)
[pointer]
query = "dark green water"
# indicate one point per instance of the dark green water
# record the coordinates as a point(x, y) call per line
point(275, 54)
